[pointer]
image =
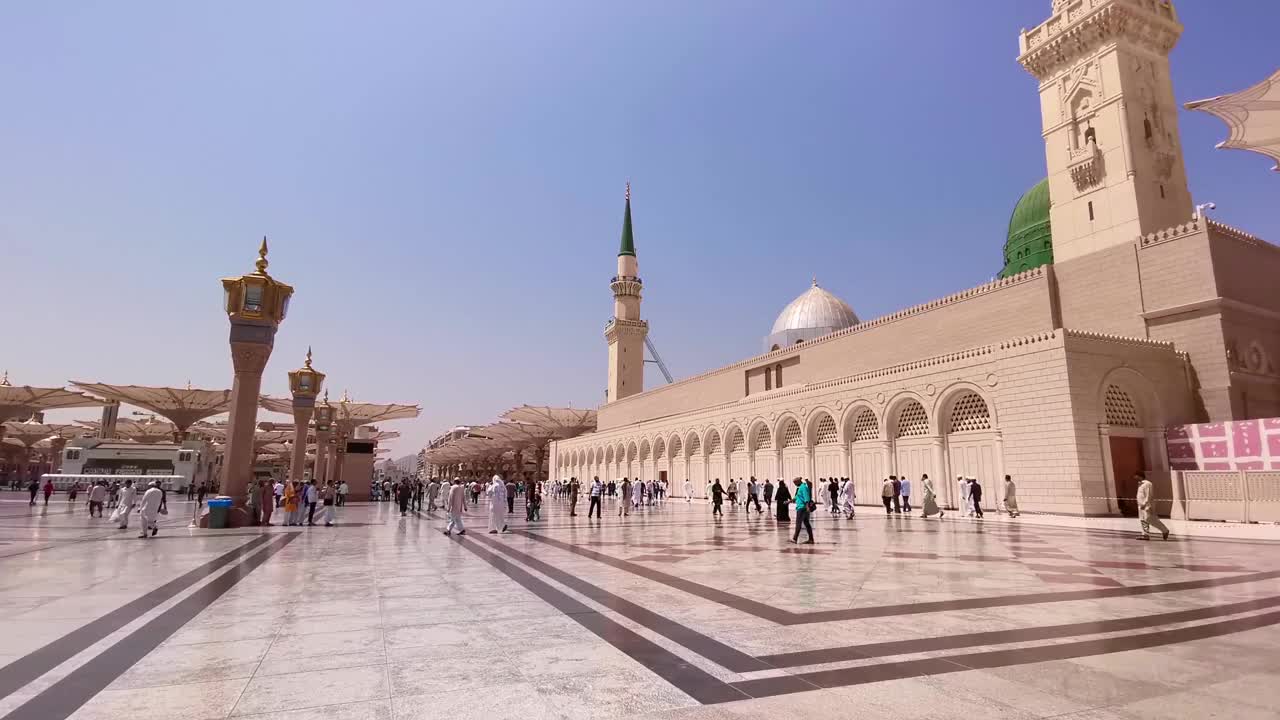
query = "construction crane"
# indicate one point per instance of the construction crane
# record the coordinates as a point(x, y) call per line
point(657, 359)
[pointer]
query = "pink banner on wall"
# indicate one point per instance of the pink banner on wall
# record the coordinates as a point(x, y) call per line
point(1239, 445)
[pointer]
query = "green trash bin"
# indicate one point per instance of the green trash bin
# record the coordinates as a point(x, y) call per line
point(219, 508)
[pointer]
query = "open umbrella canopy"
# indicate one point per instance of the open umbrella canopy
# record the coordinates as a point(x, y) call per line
point(183, 407)
point(30, 433)
point(18, 401)
point(1252, 117)
point(150, 430)
point(564, 422)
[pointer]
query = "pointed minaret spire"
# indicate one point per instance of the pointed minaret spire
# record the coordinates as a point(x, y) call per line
point(628, 240)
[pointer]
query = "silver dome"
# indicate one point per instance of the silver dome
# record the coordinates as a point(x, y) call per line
point(813, 310)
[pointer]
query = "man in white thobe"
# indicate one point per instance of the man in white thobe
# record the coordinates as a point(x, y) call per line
point(846, 497)
point(688, 491)
point(454, 505)
point(1146, 510)
point(966, 507)
point(497, 506)
point(149, 510)
point(128, 496)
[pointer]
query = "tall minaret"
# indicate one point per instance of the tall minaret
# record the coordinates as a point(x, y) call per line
point(1110, 121)
point(626, 331)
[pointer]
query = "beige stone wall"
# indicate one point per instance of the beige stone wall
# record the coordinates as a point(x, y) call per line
point(1041, 393)
point(1102, 291)
point(1019, 305)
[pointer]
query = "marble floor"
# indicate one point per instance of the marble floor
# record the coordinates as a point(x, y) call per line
point(665, 613)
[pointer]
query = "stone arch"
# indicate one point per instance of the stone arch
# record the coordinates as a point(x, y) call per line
point(692, 445)
point(711, 442)
point(787, 433)
point(1126, 397)
point(737, 439)
point(821, 429)
point(861, 423)
point(1131, 423)
point(645, 450)
point(760, 436)
point(659, 448)
point(676, 447)
point(608, 455)
point(964, 407)
point(907, 417)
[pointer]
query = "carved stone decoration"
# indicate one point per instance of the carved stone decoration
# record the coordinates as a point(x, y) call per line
point(930, 390)
point(249, 357)
point(1086, 166)
point(880, 398)
point(992, 380)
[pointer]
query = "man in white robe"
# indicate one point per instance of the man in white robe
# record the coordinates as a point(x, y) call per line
point(149, 510)
point(688, 491)
point(966, 506)
point(846, 498)
point(497, 506)
point(1147, 516)
point(128, 496)
point(455, 505)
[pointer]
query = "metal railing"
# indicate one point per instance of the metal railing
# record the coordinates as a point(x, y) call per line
point(1249, 496)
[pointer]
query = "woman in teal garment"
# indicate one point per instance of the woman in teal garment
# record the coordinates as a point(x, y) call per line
point(803, 497)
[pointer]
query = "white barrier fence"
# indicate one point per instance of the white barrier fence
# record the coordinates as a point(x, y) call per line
point(1249, 496)
point(62, 482)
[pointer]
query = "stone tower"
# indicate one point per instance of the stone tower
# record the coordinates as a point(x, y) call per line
point(626, 331)
point(1109, 121)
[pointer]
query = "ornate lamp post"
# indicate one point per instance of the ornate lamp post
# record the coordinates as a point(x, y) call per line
point(256, 304)
point(304, 384)
point(324, 426)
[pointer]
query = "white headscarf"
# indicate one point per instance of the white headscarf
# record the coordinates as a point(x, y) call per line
point(498, 489)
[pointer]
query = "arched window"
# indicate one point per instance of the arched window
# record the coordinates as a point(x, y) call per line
point(1091, 136)
point(865, 426)
point(969, 413)
point(768, 379)
point(777, 371)
point(791, 435)
point(1146, 127)
point(763, 440)
point(1119, 408)
point(912, 420)
point(775, 347)
point(737, 440)
point(825, 433)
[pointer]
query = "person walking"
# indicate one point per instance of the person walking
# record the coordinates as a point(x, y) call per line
point(498, 505)
point(312, 497)
point(624, 505)
point(510, 487)
point(113, 495)
point(251, 504)
point(804, 508)
point(48, 491)
point(266, 500)
point(688, 491)
point(887, 495)
point(419, 490)
point(433, 492)
point(783, 499)
point(73, 491)
point(1146, 509)
point(403, 494)
point(753, 495)
point(965, 506)
point(904, 489)
point(897, 493)
point(97, 494)
point(768, 492)
point(34, 488)
point(833, 490)
point(717, 498)
point(573, 496)
point(930, 506)
point(201, 493)
point(975, 494)
point(289, 501)
point(127, 495)
point(1011, 497)
point(150, 509)
point(847, 497)
point(455, 505)
point(329, 497)
point(597, 489)
point(343, 490)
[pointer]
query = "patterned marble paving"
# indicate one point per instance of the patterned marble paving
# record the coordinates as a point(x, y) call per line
point(667, 613)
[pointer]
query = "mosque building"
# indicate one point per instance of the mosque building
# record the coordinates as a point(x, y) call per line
point(1121, 310)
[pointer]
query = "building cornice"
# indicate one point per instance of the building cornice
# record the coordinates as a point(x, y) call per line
point(1079, 28)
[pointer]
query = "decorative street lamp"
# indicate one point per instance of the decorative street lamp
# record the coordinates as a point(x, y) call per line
point(324, 426)
point(304, 384)
point(255, 304)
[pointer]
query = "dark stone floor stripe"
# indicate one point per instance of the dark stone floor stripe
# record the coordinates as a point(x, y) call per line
point(1000, 637)
point(67, 695)
point(713, 650)
point(692, 680)
point(785, 617)
point(28, 668)
point(845, 677)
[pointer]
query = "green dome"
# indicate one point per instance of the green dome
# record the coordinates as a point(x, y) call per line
point(1030, 242)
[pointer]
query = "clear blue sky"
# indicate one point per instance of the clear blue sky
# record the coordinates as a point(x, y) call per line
point(442, 182)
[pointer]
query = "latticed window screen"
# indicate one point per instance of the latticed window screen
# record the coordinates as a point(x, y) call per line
point(658, 449)
point(713, 443)
point(631, 452)
point(764, 440)
point(1120, 408)
point(912, 420)
point(970, 413)
point(826, 431)
point(608, 455)
point(865, 426)
point(737, 440)
point(676, 447)
point(791, 436)
point(694, 445)
point(644, 451)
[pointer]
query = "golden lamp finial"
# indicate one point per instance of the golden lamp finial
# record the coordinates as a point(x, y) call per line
point(261, 263)
point(345, 397)
point(815, 281)
point(4, 381)
point(307, 364)
point(326, 396)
